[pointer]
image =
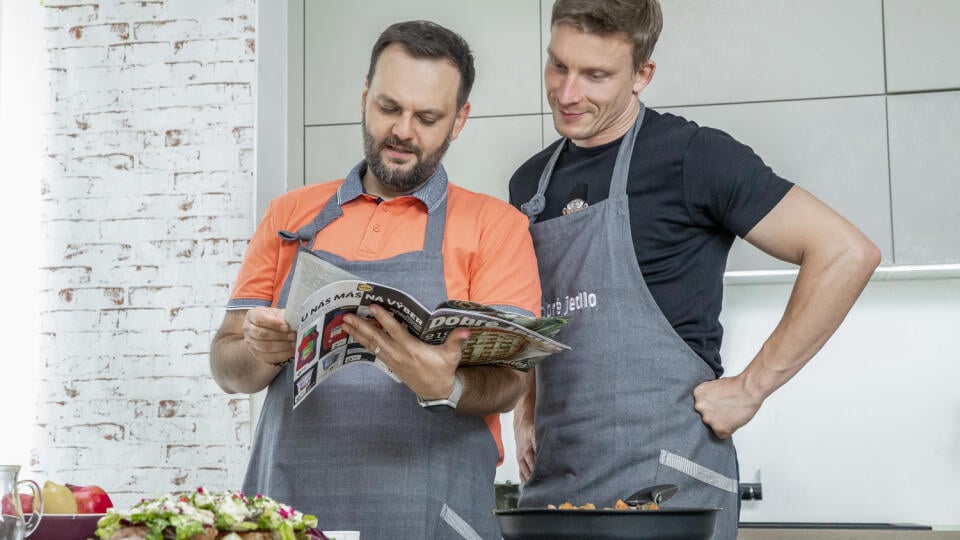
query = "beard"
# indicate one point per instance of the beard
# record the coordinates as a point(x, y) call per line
point(401, 181)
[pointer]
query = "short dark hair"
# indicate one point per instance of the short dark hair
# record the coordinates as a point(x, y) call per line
point(639, 20)
point(425, 39)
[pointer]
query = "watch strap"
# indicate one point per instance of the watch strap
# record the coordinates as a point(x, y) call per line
point(449, 402)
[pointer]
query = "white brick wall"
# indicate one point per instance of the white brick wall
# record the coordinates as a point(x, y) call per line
point(146, 209)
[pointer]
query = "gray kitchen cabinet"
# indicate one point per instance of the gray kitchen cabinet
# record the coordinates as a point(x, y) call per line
point(922, 44)
point(925, 177)
point(331, 151)
point(749, 50)
point(824, 112)
point(489, 150)
point(504, 127)
point(503, 35)
point(833, 148)
point(716, 52)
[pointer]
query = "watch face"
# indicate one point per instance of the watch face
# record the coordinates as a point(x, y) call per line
point(574, 205)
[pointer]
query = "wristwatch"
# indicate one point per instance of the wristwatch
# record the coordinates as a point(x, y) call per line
point(448, 403)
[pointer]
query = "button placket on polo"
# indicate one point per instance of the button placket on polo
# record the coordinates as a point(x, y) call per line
point(375, 235)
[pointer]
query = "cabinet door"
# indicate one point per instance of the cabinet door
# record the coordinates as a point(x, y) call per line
point(833, 148)
point(503, 34)
point(925, 177)
point(922, 44)
point(760, 50)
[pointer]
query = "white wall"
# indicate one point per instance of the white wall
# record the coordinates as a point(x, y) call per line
point(142, 200)
point(869, 431)
point(21, 78)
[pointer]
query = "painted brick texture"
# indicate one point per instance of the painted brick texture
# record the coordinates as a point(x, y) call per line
point(147, 201)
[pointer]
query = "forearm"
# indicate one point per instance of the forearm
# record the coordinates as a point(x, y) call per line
point(827, 285)
point(232, 362)
point(523, 427)
point(236, 370)
point(523, 411)
point(489, 389)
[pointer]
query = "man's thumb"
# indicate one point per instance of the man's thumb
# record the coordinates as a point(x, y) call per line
point(456, 338)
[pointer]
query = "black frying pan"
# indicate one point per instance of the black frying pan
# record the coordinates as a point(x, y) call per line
point(663, 524)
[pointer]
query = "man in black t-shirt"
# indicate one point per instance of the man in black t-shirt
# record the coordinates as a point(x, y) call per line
point(690, 191)
point(637, 211)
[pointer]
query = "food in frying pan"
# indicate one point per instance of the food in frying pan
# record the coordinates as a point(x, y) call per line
point(200, 515)
point(620, 505)
point(569, 506)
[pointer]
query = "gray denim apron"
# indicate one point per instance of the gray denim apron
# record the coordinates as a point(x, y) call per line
point(359, 452)
point(615, 414)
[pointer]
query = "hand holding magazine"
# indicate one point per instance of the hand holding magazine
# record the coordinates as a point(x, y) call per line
point(497, 337)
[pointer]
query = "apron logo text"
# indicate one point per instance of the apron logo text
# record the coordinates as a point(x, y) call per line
point(569, 304)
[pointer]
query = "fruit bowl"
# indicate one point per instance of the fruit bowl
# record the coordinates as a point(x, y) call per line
point(66, 527)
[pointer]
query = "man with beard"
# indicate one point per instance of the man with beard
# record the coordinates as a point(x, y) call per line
point(363, 452)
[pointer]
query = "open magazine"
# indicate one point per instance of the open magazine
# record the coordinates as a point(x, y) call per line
point(497, 337)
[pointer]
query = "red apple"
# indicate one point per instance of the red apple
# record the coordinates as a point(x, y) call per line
point(26, 504)
point(90, 499)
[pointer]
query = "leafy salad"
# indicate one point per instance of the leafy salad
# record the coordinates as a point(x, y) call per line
point(190, 514)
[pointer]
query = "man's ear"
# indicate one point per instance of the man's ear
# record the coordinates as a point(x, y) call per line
point(643, 76)
point(460, 120)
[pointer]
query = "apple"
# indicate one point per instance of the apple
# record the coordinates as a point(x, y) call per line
point(26, 504)
point(90, 499)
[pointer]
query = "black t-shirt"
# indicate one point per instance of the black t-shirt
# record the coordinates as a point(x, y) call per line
point(690, 190)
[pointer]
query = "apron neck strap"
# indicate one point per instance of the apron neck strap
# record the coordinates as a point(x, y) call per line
point(436, 223)
point(618, 181)
point(305, 235)
point(538, 202)
point(621, 169)
point(432, 242)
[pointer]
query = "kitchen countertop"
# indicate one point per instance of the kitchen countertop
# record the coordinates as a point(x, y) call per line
point(779, 533)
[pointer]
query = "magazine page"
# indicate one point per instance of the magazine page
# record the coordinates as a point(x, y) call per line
point(544, 326)
point(323, 346)
point(321, 340)
point(402, 306)
point(497, 338)
point(310, 274)
point(494, 340)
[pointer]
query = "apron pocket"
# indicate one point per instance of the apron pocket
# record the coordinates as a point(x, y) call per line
point(459, 525)
point(676, 469)
point(703, 487)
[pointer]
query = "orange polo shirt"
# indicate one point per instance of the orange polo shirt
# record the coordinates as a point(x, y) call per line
point(488, 254)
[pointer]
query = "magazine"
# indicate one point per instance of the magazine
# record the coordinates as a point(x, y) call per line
point(497, 337)
point(310, 273)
